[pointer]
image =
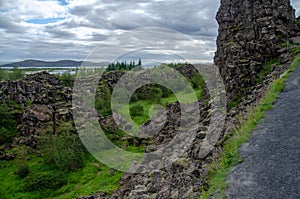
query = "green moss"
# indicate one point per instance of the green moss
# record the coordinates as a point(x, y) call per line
point(266, 69)
point(296, 50)
point(236, 100)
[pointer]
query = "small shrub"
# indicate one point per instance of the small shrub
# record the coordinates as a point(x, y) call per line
point(103, 100)
point(66, 127)
point(197, 81)
point(3, 76)
point(165, 91)
point(43, 180)
point(155, 94)
point(266, 69)
point(137, 110)
point(235, 101)
point(22, 170)
point(16, 73)
point(67, 79)
point(8, 124)
point(6, 135)
point(63, 151)
point(141, 93)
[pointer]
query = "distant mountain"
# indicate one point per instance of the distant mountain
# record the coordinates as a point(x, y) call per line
point(50, 64)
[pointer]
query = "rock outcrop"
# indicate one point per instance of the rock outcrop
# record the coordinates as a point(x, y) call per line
point(252, 33)
point(44, 100)
point(39, 88)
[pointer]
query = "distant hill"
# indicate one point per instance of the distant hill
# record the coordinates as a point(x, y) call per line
point(50, 64)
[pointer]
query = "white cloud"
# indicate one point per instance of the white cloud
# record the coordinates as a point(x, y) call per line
point(85, 23)
point(75, 3)
point(296, 5)
point(29, 9)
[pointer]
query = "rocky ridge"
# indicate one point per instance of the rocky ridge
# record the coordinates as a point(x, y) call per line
point(245, 42)
point(45, 102)
point(251, 34)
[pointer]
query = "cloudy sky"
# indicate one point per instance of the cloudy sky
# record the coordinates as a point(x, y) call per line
point(70, 29)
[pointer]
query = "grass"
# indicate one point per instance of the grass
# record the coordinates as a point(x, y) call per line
point(149, 109)
point(229, 157)
point(93, 178)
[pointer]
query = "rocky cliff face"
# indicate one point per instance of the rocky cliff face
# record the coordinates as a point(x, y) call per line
point(251, 33)
point(40, 88)
point(44, 100)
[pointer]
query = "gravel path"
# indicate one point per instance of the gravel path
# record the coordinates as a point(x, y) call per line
point(271, 166)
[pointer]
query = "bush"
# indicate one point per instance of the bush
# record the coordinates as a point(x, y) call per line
point(137, 110)
point(165, 91)
point(63, 151)
point(8, 125)
point(6, 135)
point(134, 97)
point(197, 81)
point(16, 73)
point(3, 74)
point(155, 94)
point(142, 93)
point(22, 170)
point(43, 180)
point(103, 100)
point(67, 79)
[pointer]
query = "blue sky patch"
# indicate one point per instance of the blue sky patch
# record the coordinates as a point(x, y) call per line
point(44, 21)
point(63, 2)
point(4, 10)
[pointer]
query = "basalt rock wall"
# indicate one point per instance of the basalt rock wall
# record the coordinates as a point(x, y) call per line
point(251, 34)
point(43, 99)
